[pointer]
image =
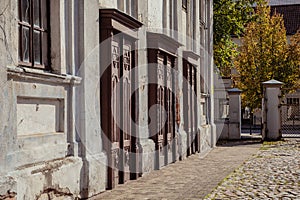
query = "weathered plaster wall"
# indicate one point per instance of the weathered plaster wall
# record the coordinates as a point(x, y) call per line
point(205, 138)
point(155, 15)
point(8, 185)
point(93, 173)
point(37, 128)
point(108, 3)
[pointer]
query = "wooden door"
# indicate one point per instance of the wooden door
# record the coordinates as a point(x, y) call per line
point(194, 118)
point(190, 107)
point(115, 96)
point(118, 37)
point(196, 134)
point(162, 94)
point(187, 106)
point(160, 99)
point(118, 111)
point(125, 114)
point(170, 110)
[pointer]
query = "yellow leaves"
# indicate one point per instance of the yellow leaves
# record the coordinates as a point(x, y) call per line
point(265, 54)
point(295, 49)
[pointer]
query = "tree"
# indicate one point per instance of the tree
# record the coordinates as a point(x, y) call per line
point(294, 60)
point(264, 55)
point(230, 18)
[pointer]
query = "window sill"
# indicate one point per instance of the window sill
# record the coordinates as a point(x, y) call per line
point(205, 95)
point(41, 75)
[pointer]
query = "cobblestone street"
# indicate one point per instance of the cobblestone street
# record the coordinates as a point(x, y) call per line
point(273, 173)
point(192, 178)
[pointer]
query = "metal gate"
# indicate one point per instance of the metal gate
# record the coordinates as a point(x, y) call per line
point(290, 120)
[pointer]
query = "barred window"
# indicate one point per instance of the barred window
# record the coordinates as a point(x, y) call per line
point(293, 101)
point(34, 33)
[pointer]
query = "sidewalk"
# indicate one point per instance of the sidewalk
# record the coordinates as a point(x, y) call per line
point(192, 178)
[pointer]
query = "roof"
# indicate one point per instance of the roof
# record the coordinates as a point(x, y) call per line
point(283, 2)
point(291, 16)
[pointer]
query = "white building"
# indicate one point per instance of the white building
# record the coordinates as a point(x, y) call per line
point(64, 129)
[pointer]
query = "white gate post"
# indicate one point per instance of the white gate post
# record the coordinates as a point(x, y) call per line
point(235, 124)
point(271, 110)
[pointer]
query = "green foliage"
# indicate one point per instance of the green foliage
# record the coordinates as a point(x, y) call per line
point(224, 52)
point(230, 18)
point(293, 60)
point(264, 55)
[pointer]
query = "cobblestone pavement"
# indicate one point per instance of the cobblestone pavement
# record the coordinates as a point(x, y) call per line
point(192, 178)
point(273, 173)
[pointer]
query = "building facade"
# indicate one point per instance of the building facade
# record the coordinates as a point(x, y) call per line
point(97, 93)
point(291, 16)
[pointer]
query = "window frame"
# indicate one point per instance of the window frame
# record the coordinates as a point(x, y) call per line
point(293, 101)
point(185, 5)
point(203, 16)
point(43, 29)
point(224, 109)
point(130, 7)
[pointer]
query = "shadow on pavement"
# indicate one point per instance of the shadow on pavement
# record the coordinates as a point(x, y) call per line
point(246, 139)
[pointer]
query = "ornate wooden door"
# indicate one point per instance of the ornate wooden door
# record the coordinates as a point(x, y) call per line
point(125, 93)
point(187, 106)
point(118, 37)
point(160, 98)
point(194, 116)
point(170, 110)
point(162, 95)
point(190, 107)
point(118, 111)
point(115, 99)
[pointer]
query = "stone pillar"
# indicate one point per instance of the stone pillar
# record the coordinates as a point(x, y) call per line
point(93, 174)
point(211, 72)
point(271, 111)
point(234, 114)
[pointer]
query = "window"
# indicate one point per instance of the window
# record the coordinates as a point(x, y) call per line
point(203, 14)
point(33, 33)
point(223, 108)
point(184, 4)
point(128, 6)
point(293, 101)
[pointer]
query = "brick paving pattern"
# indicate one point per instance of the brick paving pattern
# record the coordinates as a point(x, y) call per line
point(273, 173)
point(192, 178)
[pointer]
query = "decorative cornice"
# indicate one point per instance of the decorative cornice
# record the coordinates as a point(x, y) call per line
point(162, 42)
point(39, 75)
point(191, 57)
point(190, 54)
point(121, 17)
